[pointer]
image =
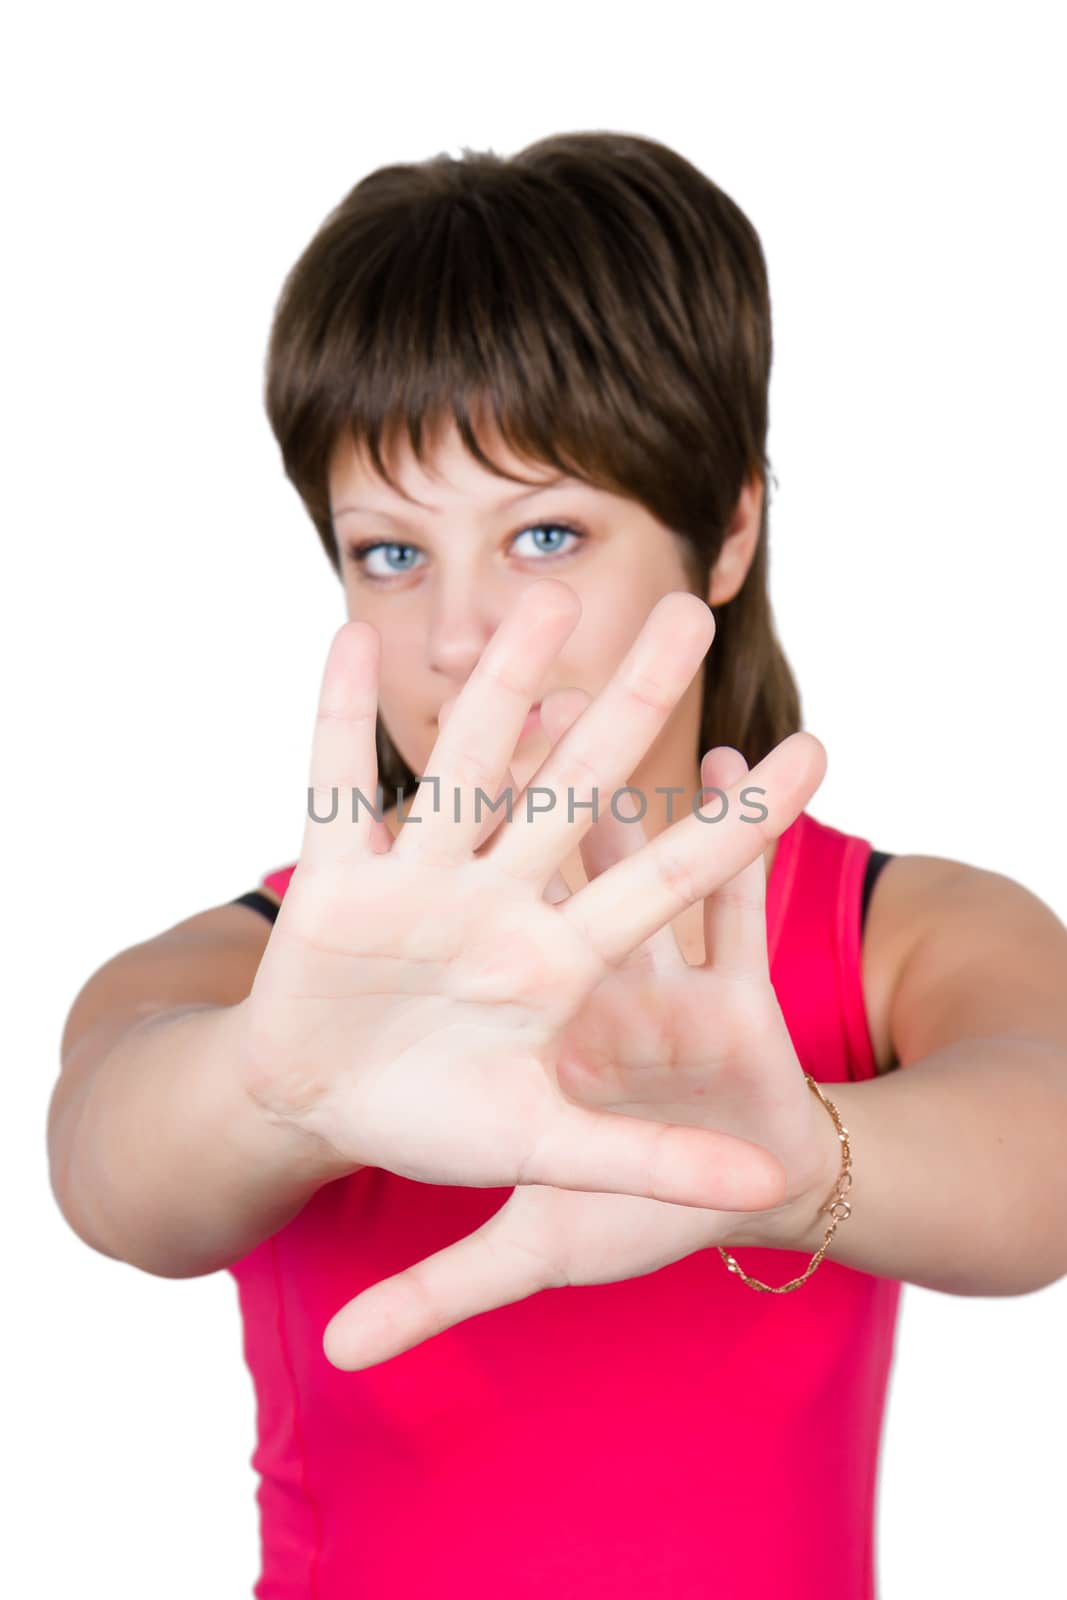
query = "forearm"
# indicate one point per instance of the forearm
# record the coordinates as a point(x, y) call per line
point(959, 1173)
point(166, 1162)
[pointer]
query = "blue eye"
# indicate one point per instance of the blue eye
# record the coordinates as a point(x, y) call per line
point(360, 554)
point(549, 527)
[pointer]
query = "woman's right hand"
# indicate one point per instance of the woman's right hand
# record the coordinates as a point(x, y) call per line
point(410, 1003)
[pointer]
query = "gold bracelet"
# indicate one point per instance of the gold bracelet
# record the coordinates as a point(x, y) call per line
point(837, 1206)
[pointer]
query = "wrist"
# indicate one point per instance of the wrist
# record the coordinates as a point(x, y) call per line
point(285, 1141)
point(800, 1223)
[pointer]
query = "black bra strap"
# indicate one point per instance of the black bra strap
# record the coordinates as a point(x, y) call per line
point(259, 902)
point(875, 862)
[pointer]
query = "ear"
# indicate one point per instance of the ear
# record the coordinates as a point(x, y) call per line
point(739, 545)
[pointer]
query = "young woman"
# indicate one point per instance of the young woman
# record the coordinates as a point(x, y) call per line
point(568, 1166)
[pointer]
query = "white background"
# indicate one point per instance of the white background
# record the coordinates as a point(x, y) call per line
point(167, 607)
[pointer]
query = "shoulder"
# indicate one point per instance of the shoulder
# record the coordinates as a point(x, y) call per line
point(950, 947)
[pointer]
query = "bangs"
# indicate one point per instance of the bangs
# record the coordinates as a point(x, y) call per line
point(565, 316)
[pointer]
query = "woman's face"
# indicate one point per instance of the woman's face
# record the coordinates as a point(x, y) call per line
point(435, 579)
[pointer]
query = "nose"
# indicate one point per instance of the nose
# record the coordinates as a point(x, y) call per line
point(464, 615)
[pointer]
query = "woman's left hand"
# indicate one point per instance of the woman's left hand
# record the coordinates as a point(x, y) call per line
point(705, 1045)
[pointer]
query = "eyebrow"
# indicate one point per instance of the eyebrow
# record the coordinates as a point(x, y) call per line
point(507, 500)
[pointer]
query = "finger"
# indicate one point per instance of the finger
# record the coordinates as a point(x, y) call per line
point(473, 750)
point(735, 914)
point(559, 711)
point(690, 859)
point(601, 750)
point(611, 837)
point(487, 1269)
point(608, 1152)
point(488, 814)
point(617, 835)
point(498, 812)
point(556, 890)
point(476, 1274)
point(344, 761)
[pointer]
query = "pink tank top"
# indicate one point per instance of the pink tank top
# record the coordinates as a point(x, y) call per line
point(676, 1436)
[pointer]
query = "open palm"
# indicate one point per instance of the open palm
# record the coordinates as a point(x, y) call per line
point(700, 1045)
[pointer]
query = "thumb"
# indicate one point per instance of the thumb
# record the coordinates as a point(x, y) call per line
point(476, 1274)
point(491, 1268)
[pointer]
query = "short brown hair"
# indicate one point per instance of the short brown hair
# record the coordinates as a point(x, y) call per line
point(607, 303)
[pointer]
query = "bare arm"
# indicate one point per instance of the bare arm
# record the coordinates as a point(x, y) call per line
point(158, 1155)
point(959, 1179)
